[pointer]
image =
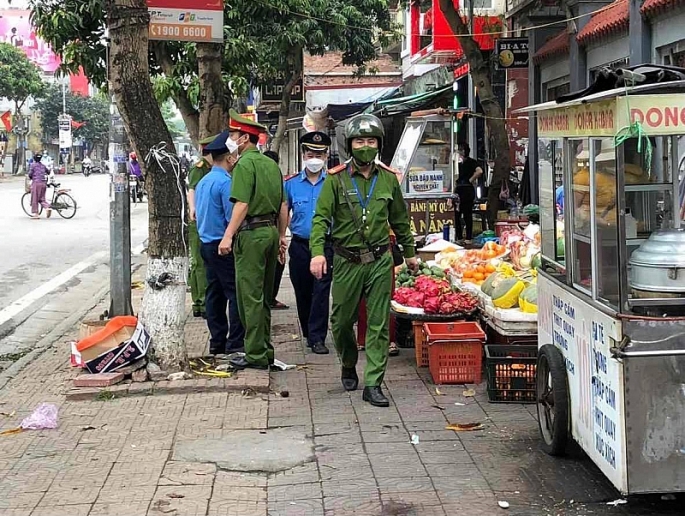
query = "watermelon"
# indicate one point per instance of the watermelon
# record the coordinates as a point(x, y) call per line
point(528, 299)
point(506, 293)
point(489, 284)
point(536, 262)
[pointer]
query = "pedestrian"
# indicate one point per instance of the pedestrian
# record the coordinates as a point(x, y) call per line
point(358, 202)
point(280, 266)
point(197, 276)
point(38, 174)
point(302, 191)
point(469, 173)
point(213, 209)
point(256, 235)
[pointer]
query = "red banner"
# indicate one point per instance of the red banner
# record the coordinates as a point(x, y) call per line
point(6, 119)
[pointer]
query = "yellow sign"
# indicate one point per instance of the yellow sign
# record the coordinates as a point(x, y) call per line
point(658, 114)
point(596, 119)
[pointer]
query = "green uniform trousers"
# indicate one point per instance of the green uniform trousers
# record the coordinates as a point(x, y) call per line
point(351, 283)
point(198, 275)
point(256, 255)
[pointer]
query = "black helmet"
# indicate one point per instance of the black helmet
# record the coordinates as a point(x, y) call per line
point(364, 126)
point(37, 157)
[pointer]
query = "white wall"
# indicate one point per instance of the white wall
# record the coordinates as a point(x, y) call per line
point(608, 52)
point(667, 30)
point(554, 69)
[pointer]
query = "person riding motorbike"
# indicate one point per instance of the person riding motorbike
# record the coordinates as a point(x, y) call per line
point(135, 171)
point(87, 166)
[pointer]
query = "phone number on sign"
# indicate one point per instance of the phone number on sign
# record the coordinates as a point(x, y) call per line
point(181, 32)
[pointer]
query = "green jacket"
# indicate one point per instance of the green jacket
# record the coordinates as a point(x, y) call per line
point(199, 170)
point(385, 208)
point(258, 182)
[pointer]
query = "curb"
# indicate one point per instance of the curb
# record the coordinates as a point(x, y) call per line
point(257, 382)
point(51, 338)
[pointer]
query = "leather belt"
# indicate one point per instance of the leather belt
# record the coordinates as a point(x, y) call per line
point(358, 256)
point(258, 221)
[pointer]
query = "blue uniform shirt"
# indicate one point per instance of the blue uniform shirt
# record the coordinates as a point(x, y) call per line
point(302, 196)
point(213, 207)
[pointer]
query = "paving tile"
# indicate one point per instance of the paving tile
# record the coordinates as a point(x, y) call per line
point(227, 479)
point(186, 500)
point(310, 507)
point(75, 495)
point(121, 509)
point(62, 510)
point(187, 473)
point(112, 493)
point(289, 493)
point(358, 486)
point(237, 508)
point(362, 504)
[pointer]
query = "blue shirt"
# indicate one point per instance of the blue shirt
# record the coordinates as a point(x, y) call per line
point(213, 207)
point(560, 198)
point(302, 196)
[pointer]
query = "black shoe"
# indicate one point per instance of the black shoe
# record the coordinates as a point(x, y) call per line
point(349, 378)
point(197, 313)
point(240, 363)
point(319, 348)
point(375, 396)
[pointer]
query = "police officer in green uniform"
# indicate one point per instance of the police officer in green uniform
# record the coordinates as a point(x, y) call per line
point(197, 276)
point(256, 235)
point(358, 201)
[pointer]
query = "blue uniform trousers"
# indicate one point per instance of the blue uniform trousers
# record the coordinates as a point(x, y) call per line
point(312, 295)
point(221, 291)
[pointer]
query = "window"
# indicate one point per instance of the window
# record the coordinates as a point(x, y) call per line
point(580, 212)
point(552, 203)
point(554, 89)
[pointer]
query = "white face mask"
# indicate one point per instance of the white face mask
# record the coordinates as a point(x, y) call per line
point(314, 164)
point(231, 145)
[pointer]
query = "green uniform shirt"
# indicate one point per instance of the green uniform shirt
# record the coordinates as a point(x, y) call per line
point(386, 206)
point(200, 170)
point(258, 182)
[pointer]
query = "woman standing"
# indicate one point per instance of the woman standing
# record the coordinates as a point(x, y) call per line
point(469, 173)
point(38, 174)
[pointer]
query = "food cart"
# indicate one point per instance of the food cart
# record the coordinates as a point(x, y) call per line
point(426, 157)
point(611, 291)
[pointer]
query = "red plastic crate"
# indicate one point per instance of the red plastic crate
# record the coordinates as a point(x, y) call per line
point(455, 351)
point(420, 346)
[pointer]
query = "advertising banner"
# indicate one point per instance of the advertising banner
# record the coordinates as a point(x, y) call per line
point(65, 141)
point(187, 20)
point(16, 30)
point(512, 52)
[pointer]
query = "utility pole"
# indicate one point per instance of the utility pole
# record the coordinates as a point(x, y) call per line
point(473, 139)
point(119, 215)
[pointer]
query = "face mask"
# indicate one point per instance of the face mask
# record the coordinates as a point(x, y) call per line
point(231, 145)
point(313, 164)
point(365, 155)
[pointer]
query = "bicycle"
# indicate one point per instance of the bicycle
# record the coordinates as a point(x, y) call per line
point(62, 202)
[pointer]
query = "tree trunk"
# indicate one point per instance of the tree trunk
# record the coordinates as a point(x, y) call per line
point(189, 113)
point(163, 309)
point(213, 117)
point(292, 77)
point(480, 72)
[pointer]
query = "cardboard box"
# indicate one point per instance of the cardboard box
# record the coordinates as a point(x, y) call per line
point(122, 355)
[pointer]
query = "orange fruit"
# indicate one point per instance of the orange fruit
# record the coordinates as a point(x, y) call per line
point(490, 268)
point(490, 254)
point(480, 268)
point(468, 273)
point(479, 276)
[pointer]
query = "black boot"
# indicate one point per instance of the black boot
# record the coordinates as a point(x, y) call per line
point(319, 348)
point(375, 396)
point(349, 378)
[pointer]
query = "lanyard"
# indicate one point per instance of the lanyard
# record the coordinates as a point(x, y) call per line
point(364, 202)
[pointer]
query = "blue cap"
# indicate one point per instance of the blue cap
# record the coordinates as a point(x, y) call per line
point(218, 145)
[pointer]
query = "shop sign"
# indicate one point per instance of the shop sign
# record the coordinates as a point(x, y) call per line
point(429, 215)
point(186, 20)
point(584, 336)
point(273, 91)
point(65, 140)
point(595, 119)
point(658, 114)
point(512, 52)
point(425, 181)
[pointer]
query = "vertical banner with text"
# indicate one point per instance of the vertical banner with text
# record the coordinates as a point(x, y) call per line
point(187, 20)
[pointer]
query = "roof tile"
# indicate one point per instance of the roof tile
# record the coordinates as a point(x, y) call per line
point(558, 44)
point(655, 7)
point(610, 19)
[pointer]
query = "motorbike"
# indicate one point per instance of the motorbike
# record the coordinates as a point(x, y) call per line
point(136, 187)
point(87, 170)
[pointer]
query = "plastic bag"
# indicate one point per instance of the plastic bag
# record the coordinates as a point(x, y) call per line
point(45, 416)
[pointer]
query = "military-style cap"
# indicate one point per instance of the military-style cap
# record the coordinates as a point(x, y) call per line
point(206, 141)
point(244, 125)
point(217, 146)
point(316, 141)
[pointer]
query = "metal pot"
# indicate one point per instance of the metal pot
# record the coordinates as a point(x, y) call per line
point(659, 263)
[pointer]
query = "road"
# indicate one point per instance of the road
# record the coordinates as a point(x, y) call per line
point(42, 259)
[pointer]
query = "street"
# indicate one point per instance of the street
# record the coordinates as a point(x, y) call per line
point(43, 259)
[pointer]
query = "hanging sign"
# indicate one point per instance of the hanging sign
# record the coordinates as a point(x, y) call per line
point(512, 52)
point(187, 20)
point(65, 140)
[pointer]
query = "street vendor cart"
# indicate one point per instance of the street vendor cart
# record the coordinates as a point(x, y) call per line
point(427, 160)
point(611, 290)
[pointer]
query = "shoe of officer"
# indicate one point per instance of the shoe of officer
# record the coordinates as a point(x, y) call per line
point(319, 348)
point(349, 378)
point(241, 363)
point(375, 396)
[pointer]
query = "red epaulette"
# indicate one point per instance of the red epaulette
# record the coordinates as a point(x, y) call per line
point(337, 170)
point(288, 178)
point(390, 169)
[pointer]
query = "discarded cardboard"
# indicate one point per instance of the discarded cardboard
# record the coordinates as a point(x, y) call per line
point(121, 342)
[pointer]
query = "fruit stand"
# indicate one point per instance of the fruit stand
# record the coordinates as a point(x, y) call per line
point(611, 286)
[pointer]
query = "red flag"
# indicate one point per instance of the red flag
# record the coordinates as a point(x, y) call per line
point(6, 119)
point(77, 125)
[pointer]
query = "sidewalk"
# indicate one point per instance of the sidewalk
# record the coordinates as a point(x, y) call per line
point(319, 451)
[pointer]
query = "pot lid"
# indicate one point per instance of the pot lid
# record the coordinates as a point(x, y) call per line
point(665, 247)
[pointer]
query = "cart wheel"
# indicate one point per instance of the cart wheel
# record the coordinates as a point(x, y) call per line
point(552, 400)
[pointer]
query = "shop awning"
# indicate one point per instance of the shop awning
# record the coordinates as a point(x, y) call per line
point(407, 104)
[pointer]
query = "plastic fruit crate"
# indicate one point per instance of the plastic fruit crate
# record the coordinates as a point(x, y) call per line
point(455, 351)
point(420, 346)
point(511, 373)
